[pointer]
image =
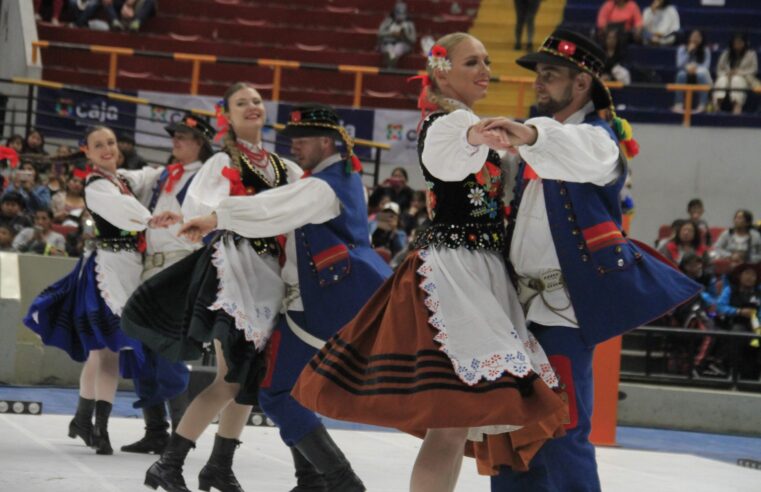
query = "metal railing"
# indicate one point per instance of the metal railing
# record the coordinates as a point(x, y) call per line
point(664, 343)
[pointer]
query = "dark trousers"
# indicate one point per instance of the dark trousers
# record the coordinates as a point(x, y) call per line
point(113, 11)
point(566, 464)
point(525, 11)
point(287, 355)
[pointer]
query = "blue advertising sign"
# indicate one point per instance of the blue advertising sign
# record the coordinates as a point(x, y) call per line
point(358, 123)
point(65, 113)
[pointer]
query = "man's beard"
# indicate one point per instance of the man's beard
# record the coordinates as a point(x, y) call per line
point(554, 106)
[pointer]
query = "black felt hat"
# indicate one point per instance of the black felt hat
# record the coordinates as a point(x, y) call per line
point(194, 124)
point(313, 120)
point(570, 49)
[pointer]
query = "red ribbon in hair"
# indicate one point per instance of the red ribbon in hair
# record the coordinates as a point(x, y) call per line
point(236, 183)
point(223, 125)
point(82, 173)
point(10, 154)
point(175, 174)
point(423, 103)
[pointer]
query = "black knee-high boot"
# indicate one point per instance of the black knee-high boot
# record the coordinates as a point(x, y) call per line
point(156, 436)
point(177, 407)
point(325, 455)
point(100, 440)
point(167, 471)
point(81, 424)
point(218, 471)
point(308, 479)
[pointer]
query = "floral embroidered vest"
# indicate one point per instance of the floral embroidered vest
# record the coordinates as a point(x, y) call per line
point(107, 235)
point(468, 213)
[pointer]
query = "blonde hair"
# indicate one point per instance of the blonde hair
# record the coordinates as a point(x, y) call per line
point(449, 42)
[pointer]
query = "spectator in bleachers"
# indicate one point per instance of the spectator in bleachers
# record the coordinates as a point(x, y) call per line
point(525, 12)
point(6, 237)
point(377, 199)
point(396, 35)
point(417, 214)
point(12, 214)
point(740, 302)
point(624, 15)
point(41, 239)
point(64, 150)
point(741, 238)
point(615, 48)
point(695, 212)
point(693, 62)
point(16, 142)
point(68, 206)
point(737, 69)
point(398, 190)
point(385, 232)
point(686, 240)
point(55, 16)
point(660, 23)
point(132, 159)
point(34, 143)
point(133, 13)
point(26, 182)
point(664, 238)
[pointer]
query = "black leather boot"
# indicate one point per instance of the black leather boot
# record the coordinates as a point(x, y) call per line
point(328, 459)
point(156, 436)
point(100, 440)
point(218, 471)
point(308, 479)
point(81, 424)
point(167, 471)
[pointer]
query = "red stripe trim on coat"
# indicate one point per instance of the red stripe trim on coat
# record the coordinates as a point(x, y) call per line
point(330, 256)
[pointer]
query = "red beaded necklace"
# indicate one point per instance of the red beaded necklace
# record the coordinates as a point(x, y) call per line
point(257, 157)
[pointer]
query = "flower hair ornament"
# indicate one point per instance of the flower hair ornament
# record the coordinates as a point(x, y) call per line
point(437, 59)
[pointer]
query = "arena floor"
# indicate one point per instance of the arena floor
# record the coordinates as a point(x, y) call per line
point(38, 456)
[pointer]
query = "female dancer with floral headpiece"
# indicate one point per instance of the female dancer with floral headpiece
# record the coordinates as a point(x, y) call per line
point(80, 313)
point(228, 293)
point(442, 349)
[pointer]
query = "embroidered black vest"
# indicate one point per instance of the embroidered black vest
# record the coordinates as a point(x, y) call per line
point(108, 236)
point(468, 213)
point(254, 182)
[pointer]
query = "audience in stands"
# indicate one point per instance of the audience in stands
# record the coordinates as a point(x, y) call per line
point(68, 206)
point(416, 216)
point(396, 35)
point(525, 13)
point(742, 238)
point(660, 23)
point(686, 240)
point(132, 159)
point(397, 189)
point(16, 142)
point(385, 232)
point(622, 14)
point(693, 62)
point(121, 14)
point(735, 73)
point(26, 182)
point(34, 143)
point(740, 302)
point(7, 234)
point(41, 239)
point(55, 15)
point(615, 48)
point(12, 206)
point(695, 212)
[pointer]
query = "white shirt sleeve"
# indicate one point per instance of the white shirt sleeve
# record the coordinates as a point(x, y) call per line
point(208, 188)
point(294, 170)
point(142, 181)
point(577, 153)
point(279, 210)
point(447, 153)
point(123, 211)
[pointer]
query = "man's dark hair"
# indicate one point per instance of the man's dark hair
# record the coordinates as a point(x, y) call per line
point(695, 202)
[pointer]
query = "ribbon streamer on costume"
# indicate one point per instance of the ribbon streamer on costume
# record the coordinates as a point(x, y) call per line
point(223, 125)
point(623, 131)
point(82, 173)
point(423, 103)
point(236, 183)
point(10, 154)
point(175, 172)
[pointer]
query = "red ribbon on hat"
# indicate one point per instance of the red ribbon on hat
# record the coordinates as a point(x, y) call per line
point(236, 183)
point(223, 125)
point(10, 154)
point(175, 174)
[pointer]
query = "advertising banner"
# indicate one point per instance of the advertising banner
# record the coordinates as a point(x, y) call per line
point(397, 128)
point(66, 114)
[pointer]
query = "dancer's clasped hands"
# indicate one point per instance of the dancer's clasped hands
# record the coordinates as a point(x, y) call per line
point(195, 229)
point(163, 220)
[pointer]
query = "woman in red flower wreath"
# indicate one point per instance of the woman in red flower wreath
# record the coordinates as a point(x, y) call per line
point(442, 350)
point(228, 293)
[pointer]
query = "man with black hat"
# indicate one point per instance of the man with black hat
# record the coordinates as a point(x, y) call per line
point(580, 280)
point(163, 190)
point(330, 272)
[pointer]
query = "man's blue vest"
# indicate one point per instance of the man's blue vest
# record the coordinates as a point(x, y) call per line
point(615, 284)
point(338, 269)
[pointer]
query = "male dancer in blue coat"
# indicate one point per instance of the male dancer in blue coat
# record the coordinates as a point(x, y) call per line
point(580, 279)
point(330, 272)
